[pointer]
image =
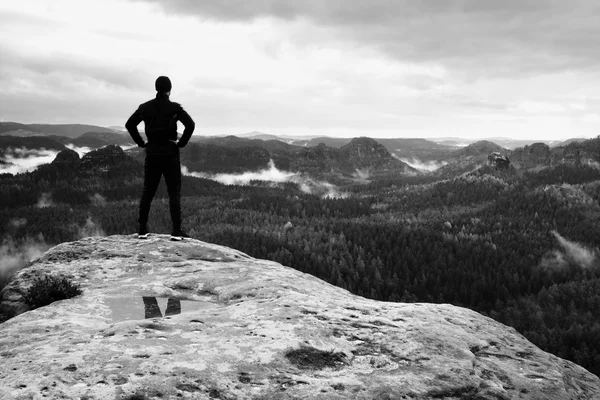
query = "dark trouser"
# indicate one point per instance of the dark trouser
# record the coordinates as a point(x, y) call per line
point(155, 166)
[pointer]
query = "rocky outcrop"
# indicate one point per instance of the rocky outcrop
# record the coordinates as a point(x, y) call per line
point(66, 158)
point(498, 161)
point(160, 319)
point(366, 154)
point(107, 160)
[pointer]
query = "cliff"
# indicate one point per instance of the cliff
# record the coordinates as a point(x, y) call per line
point(161, 319)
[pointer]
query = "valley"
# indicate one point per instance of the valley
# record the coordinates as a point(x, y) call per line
point(518, 244)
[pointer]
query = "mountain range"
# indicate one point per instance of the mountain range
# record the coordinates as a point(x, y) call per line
point(339, 160)
point(68, 130)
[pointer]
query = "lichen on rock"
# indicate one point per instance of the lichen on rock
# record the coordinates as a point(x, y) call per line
point(205, 321)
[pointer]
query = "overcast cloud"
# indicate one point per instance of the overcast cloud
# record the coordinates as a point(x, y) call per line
point(479, 68)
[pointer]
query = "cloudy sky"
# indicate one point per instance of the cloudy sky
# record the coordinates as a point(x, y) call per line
point(380, 68)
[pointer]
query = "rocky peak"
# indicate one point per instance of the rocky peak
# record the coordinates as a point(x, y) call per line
point(498, 161)
point(364, 147)
point(66, 157)
point(367, 154)
point(107, 158)
point(320, 152)
point(161, 319)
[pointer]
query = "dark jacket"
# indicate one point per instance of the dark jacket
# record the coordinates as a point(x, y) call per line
point(160, 116)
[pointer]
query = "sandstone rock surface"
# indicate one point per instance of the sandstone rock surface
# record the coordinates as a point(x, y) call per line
point(241, 328)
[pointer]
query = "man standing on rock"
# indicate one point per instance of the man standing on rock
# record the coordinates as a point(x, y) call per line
point(160, 116)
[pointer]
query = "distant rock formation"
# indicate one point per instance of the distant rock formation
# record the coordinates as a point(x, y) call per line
point(66, 157)
point(109, 159)
point(364, 151)
point(498, 161)
point(161, 319)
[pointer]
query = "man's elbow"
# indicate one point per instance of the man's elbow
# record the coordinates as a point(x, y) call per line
point(189, 128)
point(129, 125)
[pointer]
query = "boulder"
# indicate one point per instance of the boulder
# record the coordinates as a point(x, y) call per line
point(164, 320)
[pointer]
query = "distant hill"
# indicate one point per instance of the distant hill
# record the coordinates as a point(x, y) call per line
point(328, 141)
point(215, 158)
point(100, 139)
point(567, 142)
point(366, 153)
point(69, 130)
point(362, 158)
point(93, 140)
point(415, 148)
point(532, 157)
point(507, 143)
point(31, 143)
point(469, 157)
point(238, 142)
point(410, 148)
point(540, 155)
point(481, 148)
point(232, 154)
point(260, 135)
point(109, 162)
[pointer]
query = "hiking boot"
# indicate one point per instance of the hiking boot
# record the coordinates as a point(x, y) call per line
point(143, 233)
point(179, 235)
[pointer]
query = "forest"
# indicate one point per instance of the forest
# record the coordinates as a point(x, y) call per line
point(519, 247)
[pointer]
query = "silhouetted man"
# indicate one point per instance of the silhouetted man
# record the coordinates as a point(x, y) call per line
point(160, 116)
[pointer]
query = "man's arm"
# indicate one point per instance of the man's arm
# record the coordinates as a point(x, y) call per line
point(189, 125)
point(131, 126)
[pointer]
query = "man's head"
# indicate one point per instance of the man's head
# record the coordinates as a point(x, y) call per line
point(163, 84)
